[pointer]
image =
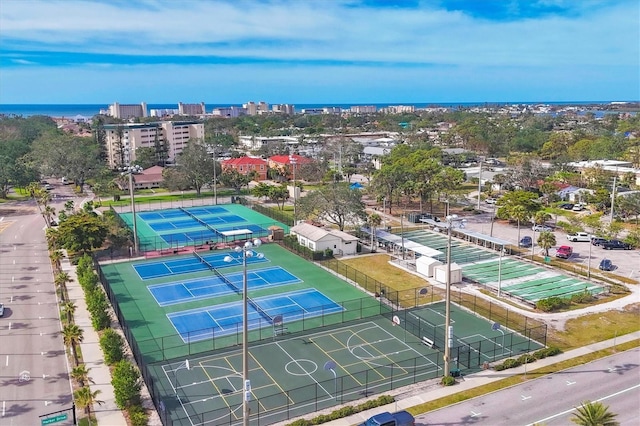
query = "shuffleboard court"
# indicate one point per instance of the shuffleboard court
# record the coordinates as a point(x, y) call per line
point(224, 319)
point(204, 288)
point(157, 269)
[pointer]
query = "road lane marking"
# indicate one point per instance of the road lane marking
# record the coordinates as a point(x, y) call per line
point(10, 325)
point(569, 383)
point(474, 414)
point(597, 400)
point(6, 363)
point(524, 398)
point(3, 404)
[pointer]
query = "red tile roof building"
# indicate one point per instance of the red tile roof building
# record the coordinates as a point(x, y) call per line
point(246, 165)
point(293, 162)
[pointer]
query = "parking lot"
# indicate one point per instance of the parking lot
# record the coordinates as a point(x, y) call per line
point(626, 262)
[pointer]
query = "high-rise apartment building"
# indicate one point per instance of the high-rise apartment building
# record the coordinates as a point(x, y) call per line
point(363, 109)
point(191, 109)
point(284, 109)
point(123, 140)
point(126, 111)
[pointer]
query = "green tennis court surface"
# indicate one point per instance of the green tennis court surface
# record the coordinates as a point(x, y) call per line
point(191, 226)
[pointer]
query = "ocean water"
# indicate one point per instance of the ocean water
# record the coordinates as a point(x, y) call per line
point(89, 110)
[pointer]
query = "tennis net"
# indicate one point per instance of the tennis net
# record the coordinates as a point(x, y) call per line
point(215, 271)
point(200, 221)
point(234, 287)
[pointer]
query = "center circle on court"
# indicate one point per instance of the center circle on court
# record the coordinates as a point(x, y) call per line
point(301, 367)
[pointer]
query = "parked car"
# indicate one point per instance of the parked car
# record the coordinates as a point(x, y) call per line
point(597, 241)
point(525, 241)
point(605, 265)
point(579, 236)
point(564, 252)
point(541, 228)
point(1, 310)
point(490, 201)
point(616, 245)
point(577, 207)
point(401, 418)
point(566, 206)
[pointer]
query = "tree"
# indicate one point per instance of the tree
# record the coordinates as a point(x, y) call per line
point(540, 217)
point(85, 399)
point(546, 240)
point(279, 194)
point(234, 179)
point(261, 190)
point(146, 157)
point(335, 203)
point(374, 220)
point(82, 232)
point(519, 214)
point(594, 414)
point(61, 154)
point(126, 384)
point(60, 280)
point(195, 165)
point(69, 308)
point(81, 375)
point(72, 336)
point(112, 346)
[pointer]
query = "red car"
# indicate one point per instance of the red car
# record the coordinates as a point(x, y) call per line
point(564, 252)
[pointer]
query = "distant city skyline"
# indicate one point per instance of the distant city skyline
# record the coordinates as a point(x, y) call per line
point(318, 52)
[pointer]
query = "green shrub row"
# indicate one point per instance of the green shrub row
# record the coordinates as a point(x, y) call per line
point(553, 303)
point(96, 300)
point(112, 345)
point(528, 358)
point(345, 411)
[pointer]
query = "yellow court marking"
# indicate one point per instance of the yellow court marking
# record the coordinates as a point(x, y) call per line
point(271, 377)
point(5, 224)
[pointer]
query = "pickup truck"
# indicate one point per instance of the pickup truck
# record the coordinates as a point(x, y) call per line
point(401, 418)
point(579, 236)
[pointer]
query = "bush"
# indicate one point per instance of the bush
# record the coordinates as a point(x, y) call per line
point(112, 345)
point(511, 363)
point(526, 358)
point(345, 411)
point(447, 381)
point(584, 297)
point(126, 384)
point(550, 304)
point(137, 415)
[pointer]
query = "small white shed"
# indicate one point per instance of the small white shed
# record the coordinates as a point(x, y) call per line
point(441, 273)
point(426, 265)
point(318, 239)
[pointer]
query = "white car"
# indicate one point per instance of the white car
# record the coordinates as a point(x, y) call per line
point(490, 201)
point(1, 310)
point(541, 228)
point(578, 207)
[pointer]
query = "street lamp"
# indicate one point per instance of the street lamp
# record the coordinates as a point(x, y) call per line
point(130, 170)
point(451, 219)
point(245, 251)
point(293, 162)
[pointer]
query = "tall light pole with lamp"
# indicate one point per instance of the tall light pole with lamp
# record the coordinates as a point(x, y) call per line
point(130, 170)
point(245, 251)
point(451, 219)
point(293, 162)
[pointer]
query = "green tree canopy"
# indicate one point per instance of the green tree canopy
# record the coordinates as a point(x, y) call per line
point(335, 203)
point(81, 232)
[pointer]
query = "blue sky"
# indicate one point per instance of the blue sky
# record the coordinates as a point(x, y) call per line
point(318, 51)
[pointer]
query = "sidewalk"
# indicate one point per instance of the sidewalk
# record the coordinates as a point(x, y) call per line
point(107, 413)
point(434, 390)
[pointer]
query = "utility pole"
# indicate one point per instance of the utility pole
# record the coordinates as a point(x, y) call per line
point(613, 198)
point(479, 182)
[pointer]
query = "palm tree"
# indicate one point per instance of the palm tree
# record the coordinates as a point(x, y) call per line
point(594, 414)
point(72, 336)
point(69, 308)
point(81, 374)
point(374, 221)
point(520, 214)
point(546, 240)
point(56, 256)
point(60, 280)
point(541, 217)
point(85, 399)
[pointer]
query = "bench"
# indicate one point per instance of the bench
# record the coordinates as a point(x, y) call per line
point(280, 331)
point(428, 342)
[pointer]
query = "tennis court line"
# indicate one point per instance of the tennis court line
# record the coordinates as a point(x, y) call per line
point(302, 369)
point(483, 337)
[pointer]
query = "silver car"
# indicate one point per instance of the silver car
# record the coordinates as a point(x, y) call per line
point(541, 228)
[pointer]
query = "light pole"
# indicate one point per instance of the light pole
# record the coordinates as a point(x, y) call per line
point(130, 170)
point(451, 219)
point(293, 162)
point(215, 177)
point(245, 251)
point(500, 272)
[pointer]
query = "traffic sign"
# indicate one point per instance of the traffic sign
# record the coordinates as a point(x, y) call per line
point(54, 419)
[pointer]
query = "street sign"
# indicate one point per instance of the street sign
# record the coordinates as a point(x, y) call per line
point(54, 419)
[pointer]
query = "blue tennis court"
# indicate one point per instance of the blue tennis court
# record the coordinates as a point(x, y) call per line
point(208, 210)
point(204, 288)
point(189, 238)
point(150, 270)
point(162, 214)
point(221, 320)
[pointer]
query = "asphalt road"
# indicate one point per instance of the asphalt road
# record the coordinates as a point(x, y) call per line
point(550, 400)
point(34, 376)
